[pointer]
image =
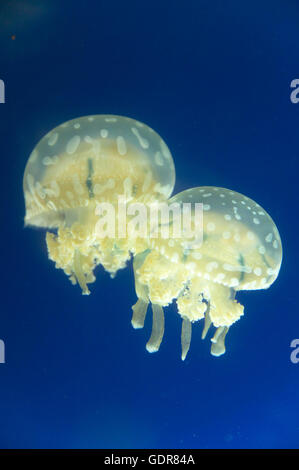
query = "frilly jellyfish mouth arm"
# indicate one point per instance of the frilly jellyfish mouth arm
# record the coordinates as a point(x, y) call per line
point(78, 271)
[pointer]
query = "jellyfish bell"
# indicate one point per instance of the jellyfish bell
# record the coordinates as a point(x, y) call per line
point(240, 250)
point(81, 164)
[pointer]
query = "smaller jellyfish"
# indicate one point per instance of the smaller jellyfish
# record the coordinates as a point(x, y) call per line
point(240, 250)
point(84, 162)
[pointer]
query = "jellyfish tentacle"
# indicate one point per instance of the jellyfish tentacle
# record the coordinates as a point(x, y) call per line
point(207, 323)
point(186, 337)
point(139, 313)
point(218, 345)
point(140, 308)
point(217, 334)
point(155, 340)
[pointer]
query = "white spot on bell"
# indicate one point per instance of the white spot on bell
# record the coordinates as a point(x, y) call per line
point(121, 145)
point(143, 142)
point(104, 133)
point(159, 159)
point(73, 144)
point(53, 139)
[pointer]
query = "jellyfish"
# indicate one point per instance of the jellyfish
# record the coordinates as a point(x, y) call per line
point(84, 162)
point(240, 249)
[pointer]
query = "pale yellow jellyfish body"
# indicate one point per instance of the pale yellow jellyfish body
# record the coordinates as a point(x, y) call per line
point(84, 162)
point(240, 250)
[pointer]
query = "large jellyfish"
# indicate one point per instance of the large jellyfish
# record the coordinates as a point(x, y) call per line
point(83, 162)
point(240, 250)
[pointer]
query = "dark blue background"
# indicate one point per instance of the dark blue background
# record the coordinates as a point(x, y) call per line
point(213, 78)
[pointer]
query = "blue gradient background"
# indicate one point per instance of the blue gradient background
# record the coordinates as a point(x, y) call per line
point(213, 78)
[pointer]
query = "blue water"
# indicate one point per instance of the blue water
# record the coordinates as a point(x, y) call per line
point(213, 78)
